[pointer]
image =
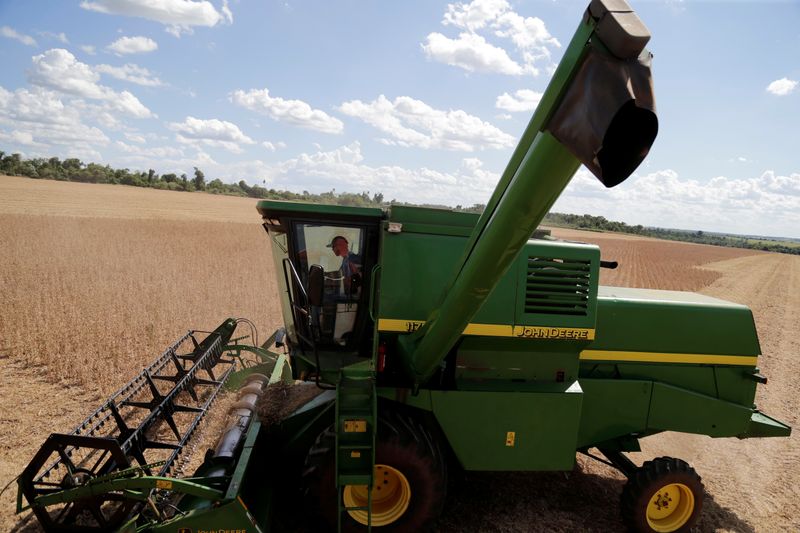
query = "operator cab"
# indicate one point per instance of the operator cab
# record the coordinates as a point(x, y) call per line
point(325, 257)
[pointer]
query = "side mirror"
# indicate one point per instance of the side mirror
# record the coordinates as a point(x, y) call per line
point(316, 285)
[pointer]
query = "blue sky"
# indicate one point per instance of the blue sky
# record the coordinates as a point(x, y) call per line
point(421, 100)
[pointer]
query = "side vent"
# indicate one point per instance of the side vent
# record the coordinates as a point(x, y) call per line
point(557, 286)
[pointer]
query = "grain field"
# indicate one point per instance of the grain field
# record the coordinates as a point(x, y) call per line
point(95, 280)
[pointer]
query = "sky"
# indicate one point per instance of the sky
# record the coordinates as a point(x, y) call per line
point(422, 101)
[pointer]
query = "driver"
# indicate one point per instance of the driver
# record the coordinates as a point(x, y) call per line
point(351, 263)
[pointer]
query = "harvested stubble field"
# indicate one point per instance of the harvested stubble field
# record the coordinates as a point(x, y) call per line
point(96, 280)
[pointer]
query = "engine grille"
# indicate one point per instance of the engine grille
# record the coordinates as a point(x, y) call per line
point(557, 286)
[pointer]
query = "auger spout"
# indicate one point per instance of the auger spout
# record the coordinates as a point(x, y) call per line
point(598, 110)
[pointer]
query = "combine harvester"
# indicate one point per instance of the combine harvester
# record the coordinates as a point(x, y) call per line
point(420, 340)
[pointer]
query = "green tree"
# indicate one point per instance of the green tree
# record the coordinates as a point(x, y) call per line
point(199, 179)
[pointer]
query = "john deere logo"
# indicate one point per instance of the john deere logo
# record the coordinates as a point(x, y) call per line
point(185, 530)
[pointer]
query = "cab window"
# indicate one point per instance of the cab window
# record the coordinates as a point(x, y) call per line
point(339, 251)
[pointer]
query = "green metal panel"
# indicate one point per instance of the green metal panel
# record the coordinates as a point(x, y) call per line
point(426, 262)
point(673, 322)
point(229, 516)
point(511, 430)
point(677, 409)
point(735, 384)
point(528, 199)
point(414, 271)
point(279, 208)
point(535, 252)
point(498, 308)
point(695, 378)
point(613, 408)
point(762, 425)
point(512, 360)
point(433, 221)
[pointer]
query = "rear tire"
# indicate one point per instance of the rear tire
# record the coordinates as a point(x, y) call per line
point(663, 495)
point(404, 446)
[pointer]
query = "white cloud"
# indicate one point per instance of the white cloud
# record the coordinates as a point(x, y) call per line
point(131, 73)
point(158, 152)
point(768, 204)
point(475, 15)
point(470, 52)
point(130, 105)
point(273, 146)
point(410, 122)
point(89, 49)
point(227, 14)
point(39, 117)
point(11, 33)
point(176, 162)
point(180, 16)
point(213, 132)
point(295, 112)
point(527, 33)
point(20, 138)
point(133, 45)
point(522, 100)
point(782, 87)
point(344, 169)
point(135, 137)
point(62, 37)
point(59, 70)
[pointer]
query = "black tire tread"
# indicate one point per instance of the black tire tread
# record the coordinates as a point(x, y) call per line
point(393, 426)
point(649, 477)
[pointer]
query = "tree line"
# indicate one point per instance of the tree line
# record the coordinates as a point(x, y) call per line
point(599, 223)
point(73, 169)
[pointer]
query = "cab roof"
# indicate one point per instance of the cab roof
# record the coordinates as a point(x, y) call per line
point(275, 209)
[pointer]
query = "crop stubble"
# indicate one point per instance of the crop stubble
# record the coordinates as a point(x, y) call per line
point(96, 280)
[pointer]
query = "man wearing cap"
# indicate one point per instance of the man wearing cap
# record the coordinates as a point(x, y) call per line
point(351, 263)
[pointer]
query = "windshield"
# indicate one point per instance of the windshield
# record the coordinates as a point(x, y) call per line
point(338, 250)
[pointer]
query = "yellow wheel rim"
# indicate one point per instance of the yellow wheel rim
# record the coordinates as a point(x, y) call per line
point(670, 507)
point(391, 494)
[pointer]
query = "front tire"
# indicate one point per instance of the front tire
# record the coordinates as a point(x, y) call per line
point(663, 495)
point(409, 482)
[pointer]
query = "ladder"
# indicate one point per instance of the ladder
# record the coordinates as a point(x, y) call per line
point(356, 423)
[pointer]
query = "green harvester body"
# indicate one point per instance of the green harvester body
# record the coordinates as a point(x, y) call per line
point(505, 348)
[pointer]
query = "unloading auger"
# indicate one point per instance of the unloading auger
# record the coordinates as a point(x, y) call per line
point(420, 340)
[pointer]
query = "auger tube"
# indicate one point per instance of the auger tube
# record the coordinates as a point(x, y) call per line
point(598, 110)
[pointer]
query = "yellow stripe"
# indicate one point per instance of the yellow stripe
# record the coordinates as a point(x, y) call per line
point(657, 357)
point(403, 326)
point(495, 330)
point(242, 502)
point(489, 330)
